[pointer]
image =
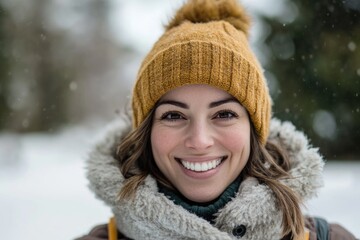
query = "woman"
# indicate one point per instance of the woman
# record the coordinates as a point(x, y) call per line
point(203, 160)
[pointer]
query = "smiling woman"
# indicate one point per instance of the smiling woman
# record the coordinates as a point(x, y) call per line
point(200, 140)
point(203, 159)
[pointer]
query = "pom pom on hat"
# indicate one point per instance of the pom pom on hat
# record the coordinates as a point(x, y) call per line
point(205, 43)
point(202, 11)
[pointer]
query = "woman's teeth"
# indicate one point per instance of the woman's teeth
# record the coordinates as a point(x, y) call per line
point(201, 166)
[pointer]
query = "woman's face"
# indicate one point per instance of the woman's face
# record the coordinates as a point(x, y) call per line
point(200, 140)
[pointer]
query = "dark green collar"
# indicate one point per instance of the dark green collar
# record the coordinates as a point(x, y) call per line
point(203, 210)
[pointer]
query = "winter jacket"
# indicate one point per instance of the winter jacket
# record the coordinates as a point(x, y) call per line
point(251, 214)
point(316, 229)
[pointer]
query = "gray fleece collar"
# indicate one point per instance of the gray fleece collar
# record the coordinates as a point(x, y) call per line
point(151, 215)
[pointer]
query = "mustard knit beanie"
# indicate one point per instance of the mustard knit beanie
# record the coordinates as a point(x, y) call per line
point(205, 43)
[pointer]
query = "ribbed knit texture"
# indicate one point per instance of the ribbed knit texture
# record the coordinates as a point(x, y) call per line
point(207, 210)
point(213, 53)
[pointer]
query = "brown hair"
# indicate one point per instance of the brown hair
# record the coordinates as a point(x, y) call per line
point(269, 164)
point(136, 160)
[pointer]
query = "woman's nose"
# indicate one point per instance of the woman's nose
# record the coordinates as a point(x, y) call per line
point(199, 136)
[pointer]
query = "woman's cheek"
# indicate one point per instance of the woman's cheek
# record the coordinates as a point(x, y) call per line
point(162, 141)
point(236, 137)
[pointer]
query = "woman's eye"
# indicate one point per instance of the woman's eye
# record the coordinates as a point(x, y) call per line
point(171, 116)
point(226, 114)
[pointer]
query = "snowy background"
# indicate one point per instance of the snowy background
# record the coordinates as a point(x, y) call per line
point(43, 189)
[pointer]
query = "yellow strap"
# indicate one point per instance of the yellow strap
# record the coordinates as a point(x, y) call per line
point(307, 235)
point(112, 229)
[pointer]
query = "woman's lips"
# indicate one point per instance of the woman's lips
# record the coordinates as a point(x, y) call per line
point(201, 165)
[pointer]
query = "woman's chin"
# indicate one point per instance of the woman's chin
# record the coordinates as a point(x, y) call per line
point(201, 196)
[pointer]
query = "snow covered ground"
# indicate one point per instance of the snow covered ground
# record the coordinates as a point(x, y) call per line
point(44, 195)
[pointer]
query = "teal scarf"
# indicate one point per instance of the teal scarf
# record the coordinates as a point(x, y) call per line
point(203, 210)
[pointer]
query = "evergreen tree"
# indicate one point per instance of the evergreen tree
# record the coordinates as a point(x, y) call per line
point(316, 61)
point(50, 72)
point(4, 67)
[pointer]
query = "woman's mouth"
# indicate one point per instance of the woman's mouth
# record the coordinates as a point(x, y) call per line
point(202, 166)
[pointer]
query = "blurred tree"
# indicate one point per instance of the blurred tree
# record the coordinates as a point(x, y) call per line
point(4, 65)
point(59, 63)
point(35, 90)
point(49, 86)
point(316, 60)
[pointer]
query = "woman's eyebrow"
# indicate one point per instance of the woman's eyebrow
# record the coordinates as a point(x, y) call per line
point(220, 102)
point(175, 103)
point(184, 105)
